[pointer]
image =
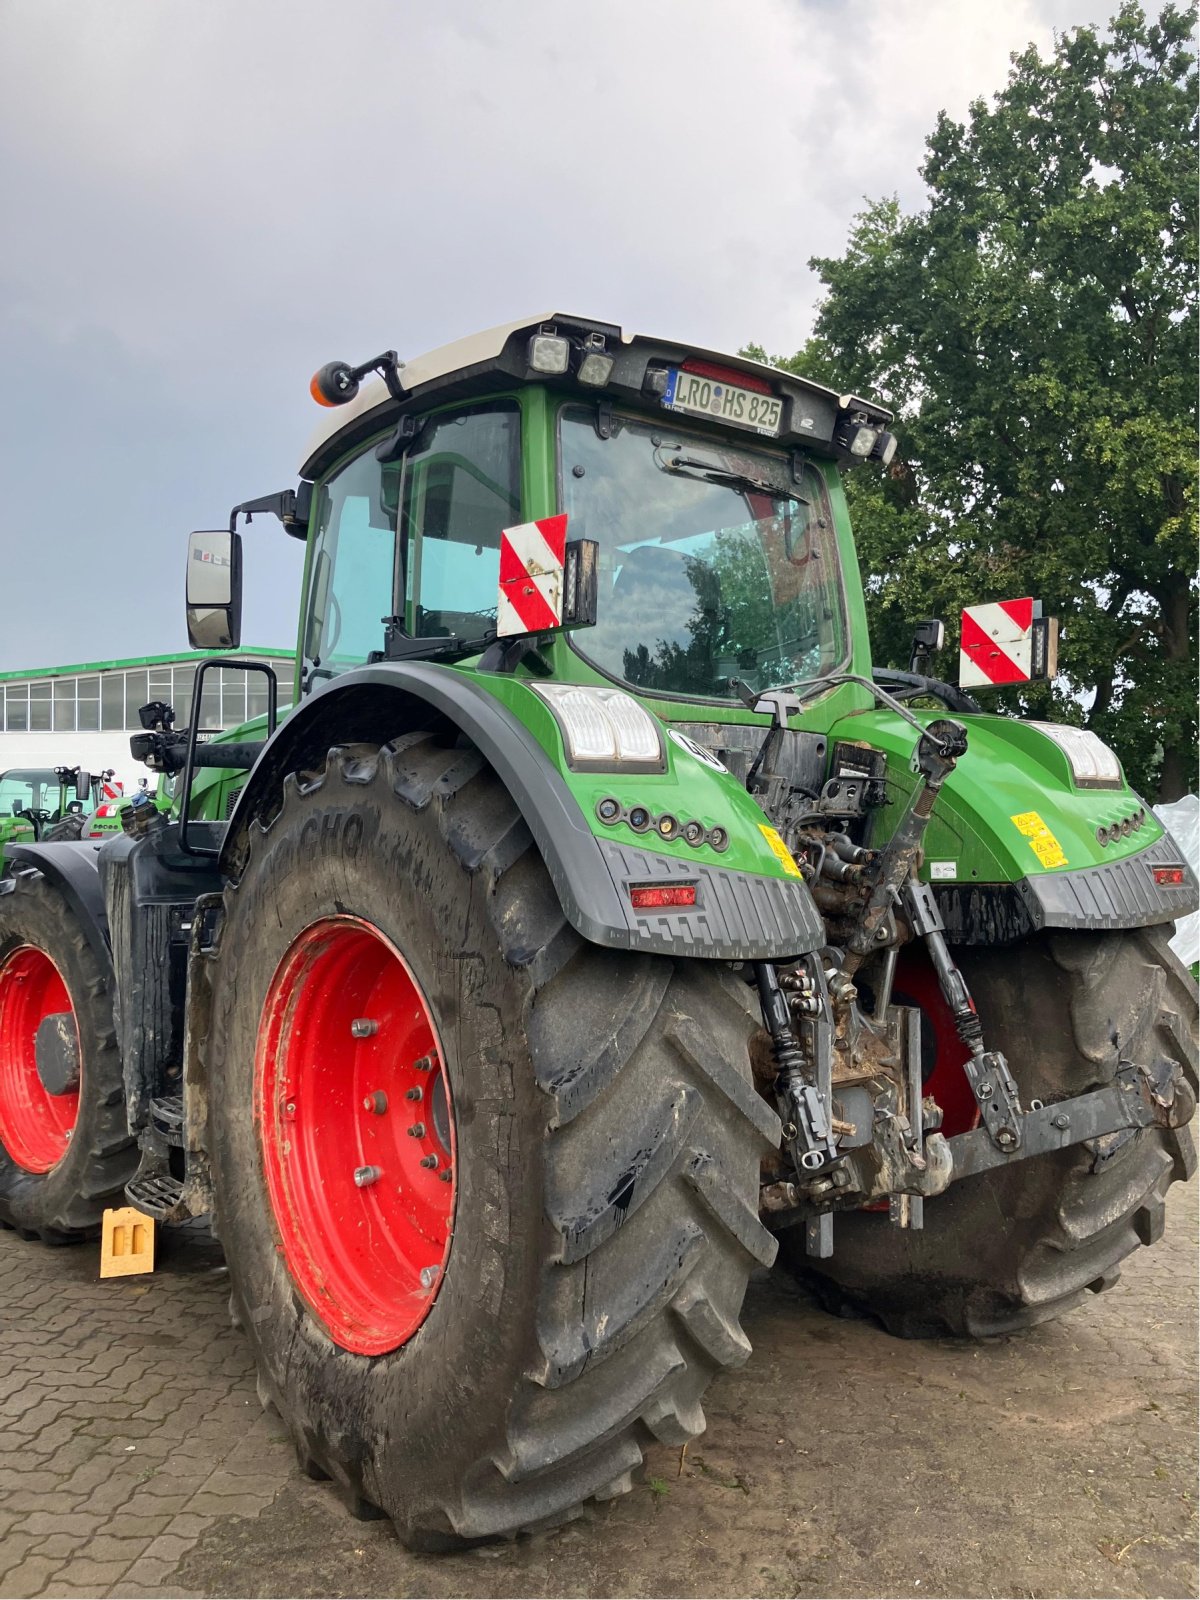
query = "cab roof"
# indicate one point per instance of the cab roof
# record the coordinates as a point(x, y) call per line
point(498, 358)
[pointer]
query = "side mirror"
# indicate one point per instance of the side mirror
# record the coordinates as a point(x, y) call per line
point(83, 783)
point(214, 589)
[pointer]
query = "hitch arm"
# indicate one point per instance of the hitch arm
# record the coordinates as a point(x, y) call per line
point(1133, 1100)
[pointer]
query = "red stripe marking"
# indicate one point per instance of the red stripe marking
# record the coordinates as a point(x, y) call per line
point(554, 531)
point(1021, 611)
point(987, 654)
point(530, 605)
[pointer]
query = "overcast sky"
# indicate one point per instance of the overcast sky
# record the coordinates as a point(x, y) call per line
point(204, 200)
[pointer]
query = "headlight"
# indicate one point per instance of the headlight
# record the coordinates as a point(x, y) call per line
point(603, 729)
point(1093, 764)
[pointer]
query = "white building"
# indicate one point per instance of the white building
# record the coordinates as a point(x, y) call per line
point(82, 716)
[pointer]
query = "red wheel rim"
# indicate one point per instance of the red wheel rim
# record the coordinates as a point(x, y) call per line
point(916, 984)
point(357, 1130)
point(35, 1125)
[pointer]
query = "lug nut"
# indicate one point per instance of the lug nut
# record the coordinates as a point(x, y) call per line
point(364, 1177)
point(446, 1175)
point(429, 1276)
point(429, 1161)
point(417, 1131)
point(423, 1064)
point(1062, 1120)
point(364, 1027)
point(376, 1102)
point(414, 1094)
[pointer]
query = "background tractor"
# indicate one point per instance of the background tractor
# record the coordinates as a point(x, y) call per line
point(595, 926)
point(47, 803)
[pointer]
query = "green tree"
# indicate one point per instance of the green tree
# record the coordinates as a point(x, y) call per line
point(1035, 329)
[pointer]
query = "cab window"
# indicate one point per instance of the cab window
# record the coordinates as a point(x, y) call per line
point(462, 486)
point(448, 497)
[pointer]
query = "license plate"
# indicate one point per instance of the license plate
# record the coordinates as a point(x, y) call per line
point(724, 402)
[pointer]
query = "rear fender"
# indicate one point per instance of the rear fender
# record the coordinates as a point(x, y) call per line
point(738, 916)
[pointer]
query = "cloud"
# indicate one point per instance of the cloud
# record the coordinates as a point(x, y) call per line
point(205, 202)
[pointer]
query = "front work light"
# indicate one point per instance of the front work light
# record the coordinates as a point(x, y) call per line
point(604, 730)
point(1093, 764)
point(595, 368)
point(549, 353)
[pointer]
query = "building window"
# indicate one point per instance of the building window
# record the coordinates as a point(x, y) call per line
point(39, 707)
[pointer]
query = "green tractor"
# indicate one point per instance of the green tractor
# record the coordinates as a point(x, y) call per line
point(596, 926)
point(36, 803)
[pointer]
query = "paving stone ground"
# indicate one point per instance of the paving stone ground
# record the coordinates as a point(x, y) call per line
point(135, 1459)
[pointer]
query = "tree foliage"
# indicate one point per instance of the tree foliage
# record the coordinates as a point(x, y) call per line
point(1035, 329)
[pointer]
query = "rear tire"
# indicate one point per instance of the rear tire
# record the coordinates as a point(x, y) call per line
point(1020, 1245)
point(65, 1202)
point(606, 1161)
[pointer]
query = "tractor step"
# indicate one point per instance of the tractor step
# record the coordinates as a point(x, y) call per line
point(156, 1194)
point(166, 1118)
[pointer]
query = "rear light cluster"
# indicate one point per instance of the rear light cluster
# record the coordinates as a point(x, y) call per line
point(652, 896)
point(1122, 828)
point(718, 374)
point(668, 827)
point(1169, 877)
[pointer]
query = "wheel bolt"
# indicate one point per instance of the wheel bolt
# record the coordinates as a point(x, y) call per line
point(364, 1027)
point(364, 1177)
point(429, 1276)
point(376, 1101)
point(414, 1094)
point(417, 1131)
point(429, 1161)
point(423, 1064)
point(446, 1175)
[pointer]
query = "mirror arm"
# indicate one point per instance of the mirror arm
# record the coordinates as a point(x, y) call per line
point(291, 506)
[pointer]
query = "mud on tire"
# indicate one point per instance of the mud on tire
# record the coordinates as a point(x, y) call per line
point(608, 1147)
point(66, 1203)
point(1020, 1245)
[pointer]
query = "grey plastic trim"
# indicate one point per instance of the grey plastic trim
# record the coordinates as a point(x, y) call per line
point(590, 887)
point(1117, 894)
point(749, 918)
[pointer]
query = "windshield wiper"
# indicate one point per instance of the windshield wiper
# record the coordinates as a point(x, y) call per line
point(688, 466)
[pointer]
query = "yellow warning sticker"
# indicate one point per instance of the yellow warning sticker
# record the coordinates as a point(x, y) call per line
point(786, 860)
point(1043, 843)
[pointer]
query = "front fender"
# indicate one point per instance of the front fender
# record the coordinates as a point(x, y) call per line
point(737, 916)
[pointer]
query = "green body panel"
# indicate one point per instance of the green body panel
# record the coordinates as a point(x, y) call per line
point(13, 830)
point(688, 790)
point(1010, 769)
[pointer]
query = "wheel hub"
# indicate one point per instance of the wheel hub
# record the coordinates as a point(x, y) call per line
point(357, 1131)
point(37, 1028)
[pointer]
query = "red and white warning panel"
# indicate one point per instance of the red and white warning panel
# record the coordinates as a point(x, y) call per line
point(1006, 641)
point(531, 576)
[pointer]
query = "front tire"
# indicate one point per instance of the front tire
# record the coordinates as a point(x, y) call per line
point(606, 1144)
point(1020, 1245)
